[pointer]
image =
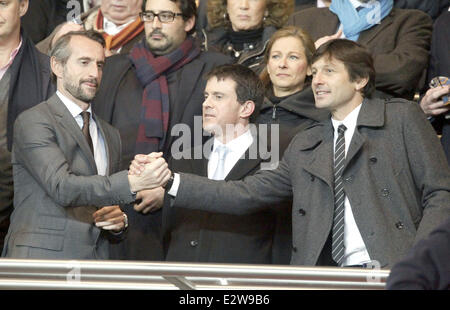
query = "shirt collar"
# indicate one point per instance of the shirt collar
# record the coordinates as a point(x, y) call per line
point(112, 29)
point(12, 55)
point(237, 144)
point(73, 108)
point(350, 120)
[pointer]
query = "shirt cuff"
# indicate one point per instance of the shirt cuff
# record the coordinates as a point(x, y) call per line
point(176, 183)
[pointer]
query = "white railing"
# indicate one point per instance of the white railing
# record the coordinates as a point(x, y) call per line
point(84, 274)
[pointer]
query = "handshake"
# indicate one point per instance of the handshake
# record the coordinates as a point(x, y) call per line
point(147, 175)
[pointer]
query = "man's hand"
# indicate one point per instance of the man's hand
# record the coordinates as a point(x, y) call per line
point(155, 174)
point(325, 39)
point(432, 104)
point(151, 200)
point(139, 161)
point(110, 218)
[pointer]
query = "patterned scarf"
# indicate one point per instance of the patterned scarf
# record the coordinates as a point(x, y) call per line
point(123, 37)
point(151, 72)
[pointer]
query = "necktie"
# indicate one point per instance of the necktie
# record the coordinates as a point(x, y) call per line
point(85, 115)
point(337, 247)
point(219, 173)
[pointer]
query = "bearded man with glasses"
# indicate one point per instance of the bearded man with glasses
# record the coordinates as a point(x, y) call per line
point(144, 94)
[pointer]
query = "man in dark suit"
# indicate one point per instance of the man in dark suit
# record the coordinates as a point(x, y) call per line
point(145, 94)
point(233, 96)
point(66, 197)
point(24, 82)
point(366, 184)
point(398, 39)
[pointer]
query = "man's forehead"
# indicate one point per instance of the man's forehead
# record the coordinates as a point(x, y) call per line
point(161, 5)
point(327, 60)
point(219, 82)
point(84, 47)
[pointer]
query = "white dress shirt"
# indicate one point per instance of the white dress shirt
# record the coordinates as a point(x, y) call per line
point(355, 249)
point(101, 159)
point(236, 149)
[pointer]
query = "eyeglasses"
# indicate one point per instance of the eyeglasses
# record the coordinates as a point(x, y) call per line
point(163, 16)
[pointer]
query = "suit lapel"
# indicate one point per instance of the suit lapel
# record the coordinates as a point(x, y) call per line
point(199, 166)
point(321, 163)
point(370, 115)
point(244, 165)
point(67, 121)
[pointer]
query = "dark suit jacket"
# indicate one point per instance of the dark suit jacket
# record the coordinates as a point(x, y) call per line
point(427, 266)
point(200, 236)
point(399, 45)
point(396, 178)
point(119, 103)
point(56, 186)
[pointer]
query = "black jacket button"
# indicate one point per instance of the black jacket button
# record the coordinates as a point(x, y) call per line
point(399, 225)
point(385, 192)
point(194, 243)
point(302, 212)
point(373, 160)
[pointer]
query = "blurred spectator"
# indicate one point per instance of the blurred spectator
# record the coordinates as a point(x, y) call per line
point(432, 103)
point(427, 266)
point(43, 16)
point(117, 20)
point(24, 82)
point(399, 43)
point(241, 28)
point(434, 8)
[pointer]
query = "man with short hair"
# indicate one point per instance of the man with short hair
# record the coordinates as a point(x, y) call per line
point(144, 95)
point(117, 20)
point(233, 97)
point(366, 184)
point(24, 82)
point(64, 159)
point(398, 39)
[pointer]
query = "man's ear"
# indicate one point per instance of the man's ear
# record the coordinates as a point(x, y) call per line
point(360, 83)
point(309, 71)
point(247, 109)
point(23, 7)
point(189, 24)
point(57, 67)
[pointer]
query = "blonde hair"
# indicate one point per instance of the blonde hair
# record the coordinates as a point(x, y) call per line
point(288, 31)
point(279, 11)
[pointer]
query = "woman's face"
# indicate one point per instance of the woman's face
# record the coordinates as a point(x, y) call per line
point(246, 14)
point(287, 66)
